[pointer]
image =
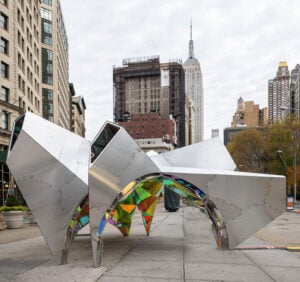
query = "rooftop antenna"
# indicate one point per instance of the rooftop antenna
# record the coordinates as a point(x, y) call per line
point(191, 43)
point(191, 30)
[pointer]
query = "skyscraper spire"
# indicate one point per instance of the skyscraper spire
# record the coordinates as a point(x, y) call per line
point(194, 90)
point(191, 32)
point(191, 43)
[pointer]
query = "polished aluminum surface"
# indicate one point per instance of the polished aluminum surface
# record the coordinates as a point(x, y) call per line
point(119, 163)
point(247, 201)
point(209, 154)
point(54, 167)
point(50, 166)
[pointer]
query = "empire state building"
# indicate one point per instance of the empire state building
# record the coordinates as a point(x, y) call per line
point(194, 89)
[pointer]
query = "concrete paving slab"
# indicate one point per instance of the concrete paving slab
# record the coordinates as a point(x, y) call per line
point(181, 247)
point(274, 258)
point(147, 269)
point(12, 267)
point(283, 274)
point(135, 279)
point(224, 272)
point(254, 241)
point(283, 231)
point(158, 254)
point(210, 253)
point(28, 231)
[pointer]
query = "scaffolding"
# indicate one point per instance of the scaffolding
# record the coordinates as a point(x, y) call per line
point(138, 70)
point(140, 60)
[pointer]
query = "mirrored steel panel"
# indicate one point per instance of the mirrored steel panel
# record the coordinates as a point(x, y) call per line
point(119, 161)
point(52, 169)
point(246, 201)
point(50, 166)
point(209, 154)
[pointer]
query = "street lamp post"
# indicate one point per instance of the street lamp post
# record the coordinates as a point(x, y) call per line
point(295, 136)
point(280, 154)
point(295, 176)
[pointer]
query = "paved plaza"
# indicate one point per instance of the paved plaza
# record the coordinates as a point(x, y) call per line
point(181, 247)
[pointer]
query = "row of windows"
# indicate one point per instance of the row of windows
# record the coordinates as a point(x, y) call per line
point(47, 108)
point(21, 85)
point(35, 12)
point(46, 32)
point(157, 126)
point(29, 19)
point(47, 2)
point(48, 117)
point(47, 66)
point(47, 94)
point(22, 46)
point(21, 65)
point(46, 14)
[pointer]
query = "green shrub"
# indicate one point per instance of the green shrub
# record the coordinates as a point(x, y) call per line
point(11, 201)
point(13, 208)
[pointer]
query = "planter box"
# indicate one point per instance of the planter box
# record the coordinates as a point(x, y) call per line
point(1, 223)
point(13, 219)
point(30, 218)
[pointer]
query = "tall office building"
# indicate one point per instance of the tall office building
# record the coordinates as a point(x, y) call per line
point(55, 64)
point(20, 63)
point(194, 89)
point(77, 113)
point(144, 85)
point(215, 133)
point(34, 69)
point(279, 102)
point(20, 81)
point(151, 131)
point(295, 91)
point(189, 121)
point(248, 114)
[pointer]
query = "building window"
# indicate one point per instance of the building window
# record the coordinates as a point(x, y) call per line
point(47, 94)
point(3, 21)
point(4, 120)
point(47, 2)
point(4, 70)
point(47, 104)
point(4, 94)
point(47, 108)
point(4, 46)
point(47, 66)
point(46, 14)
point(46, 32)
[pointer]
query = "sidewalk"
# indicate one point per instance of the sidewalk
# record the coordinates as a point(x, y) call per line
point(12, 235)
point(181, 247)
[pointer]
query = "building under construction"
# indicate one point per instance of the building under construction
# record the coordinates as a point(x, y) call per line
point(144, 85)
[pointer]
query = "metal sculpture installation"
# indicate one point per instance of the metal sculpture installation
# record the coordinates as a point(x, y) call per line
point(50, 166)
point(69, 182)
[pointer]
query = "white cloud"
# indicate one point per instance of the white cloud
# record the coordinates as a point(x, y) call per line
point(238, 43)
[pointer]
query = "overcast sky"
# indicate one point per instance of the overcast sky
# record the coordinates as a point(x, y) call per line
point(238, 43)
